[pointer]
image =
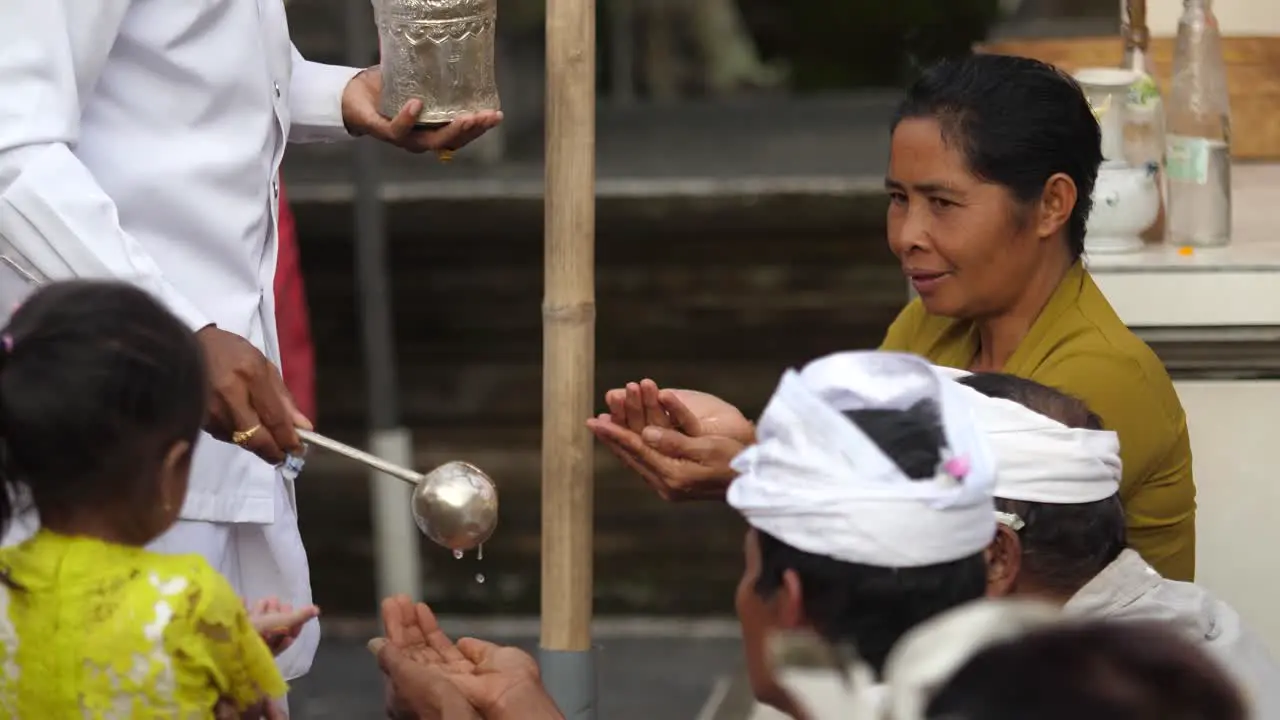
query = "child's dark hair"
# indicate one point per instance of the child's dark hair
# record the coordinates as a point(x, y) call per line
point(866, 606)
point(1018, 122)
point(97, 383)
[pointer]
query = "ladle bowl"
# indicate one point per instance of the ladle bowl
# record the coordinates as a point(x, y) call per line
point(455, 505)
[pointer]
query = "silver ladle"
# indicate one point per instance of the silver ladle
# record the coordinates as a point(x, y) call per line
point(455, 505)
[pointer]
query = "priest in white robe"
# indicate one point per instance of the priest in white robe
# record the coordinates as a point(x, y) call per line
point(142, 141)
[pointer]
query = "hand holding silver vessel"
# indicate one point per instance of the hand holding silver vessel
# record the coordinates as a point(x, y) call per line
point(440, 53)
point(361, 102)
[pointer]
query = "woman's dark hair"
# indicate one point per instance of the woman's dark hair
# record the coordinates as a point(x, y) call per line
point(872, 607)
point(1064, 546)
point(97, 382)
point(1098, 670)
point(1018, 122)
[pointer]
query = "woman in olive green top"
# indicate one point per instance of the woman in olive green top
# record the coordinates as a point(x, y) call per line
point(991, 169)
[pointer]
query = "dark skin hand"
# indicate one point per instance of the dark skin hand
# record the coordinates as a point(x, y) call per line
point(360, 114)
point(679, 441)
point(247, 391)
point(500, 683)
point(417, 690)
point(413, 629)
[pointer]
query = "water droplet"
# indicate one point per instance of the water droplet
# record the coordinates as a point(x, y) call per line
point(480, 552)
point(480, 578)
point(457, 554)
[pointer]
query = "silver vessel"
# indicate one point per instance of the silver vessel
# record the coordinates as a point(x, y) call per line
point(439, 51)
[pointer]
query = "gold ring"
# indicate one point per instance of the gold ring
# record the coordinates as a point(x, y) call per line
point(240, 437)
point(445, 155)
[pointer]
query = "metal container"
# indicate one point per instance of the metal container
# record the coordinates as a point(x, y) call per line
point(456, 505)
point(439, 51)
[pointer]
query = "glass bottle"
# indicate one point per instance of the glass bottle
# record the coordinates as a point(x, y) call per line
point(1144, 133)
point(1198, 147)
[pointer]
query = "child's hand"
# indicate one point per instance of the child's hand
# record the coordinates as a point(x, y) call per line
point(279, 623)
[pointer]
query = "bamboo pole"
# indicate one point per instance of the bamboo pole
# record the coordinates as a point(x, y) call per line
point(568, 357)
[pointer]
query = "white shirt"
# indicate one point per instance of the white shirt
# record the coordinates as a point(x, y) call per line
point(142, 139)
point(1130, 589)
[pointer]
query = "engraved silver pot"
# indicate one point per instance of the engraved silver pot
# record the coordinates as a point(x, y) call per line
point(439, 51)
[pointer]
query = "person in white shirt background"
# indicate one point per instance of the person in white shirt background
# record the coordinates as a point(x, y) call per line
point(1061, 536)
point(142, 140)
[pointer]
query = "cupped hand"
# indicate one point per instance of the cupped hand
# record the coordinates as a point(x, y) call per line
point(360, 113)
point(417, 690)
point(414, 632)
point(246, 392)
point(280, 623)
point(505, 683)
point(500, 682)
point(679, 441)
point(644, 404)
point(413, 628)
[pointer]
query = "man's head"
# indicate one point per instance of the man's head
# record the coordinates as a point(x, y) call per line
point(842, 495)
point(1053, 548)
point(1096, 670)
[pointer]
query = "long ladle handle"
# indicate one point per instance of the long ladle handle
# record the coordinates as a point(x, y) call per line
point(373, 461)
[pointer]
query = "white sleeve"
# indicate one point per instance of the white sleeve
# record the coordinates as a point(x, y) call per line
point(315, 100)
point(52, 210)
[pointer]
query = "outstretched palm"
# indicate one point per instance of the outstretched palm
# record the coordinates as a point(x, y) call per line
point(713, 416)
point(413, 628)
point(679, 441)
point(416, 654)
point(499, 673)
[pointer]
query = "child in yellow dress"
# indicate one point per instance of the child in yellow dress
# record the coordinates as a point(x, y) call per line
point(102, 396)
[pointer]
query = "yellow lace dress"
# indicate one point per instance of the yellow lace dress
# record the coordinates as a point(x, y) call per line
point(97, 631)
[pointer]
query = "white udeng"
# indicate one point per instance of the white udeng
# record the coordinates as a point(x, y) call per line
point(142, 141)
point(815, 481)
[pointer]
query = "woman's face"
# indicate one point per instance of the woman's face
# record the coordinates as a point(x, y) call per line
point(967, 246)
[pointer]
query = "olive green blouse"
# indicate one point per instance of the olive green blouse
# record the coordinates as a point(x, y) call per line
point(1079, 346)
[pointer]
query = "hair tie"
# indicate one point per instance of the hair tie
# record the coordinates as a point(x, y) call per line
point(7, 341)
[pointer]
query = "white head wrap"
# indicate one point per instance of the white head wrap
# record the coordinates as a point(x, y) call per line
point(816, 482)
point(1039, 459)
point(929, 654)
point(828, 687)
